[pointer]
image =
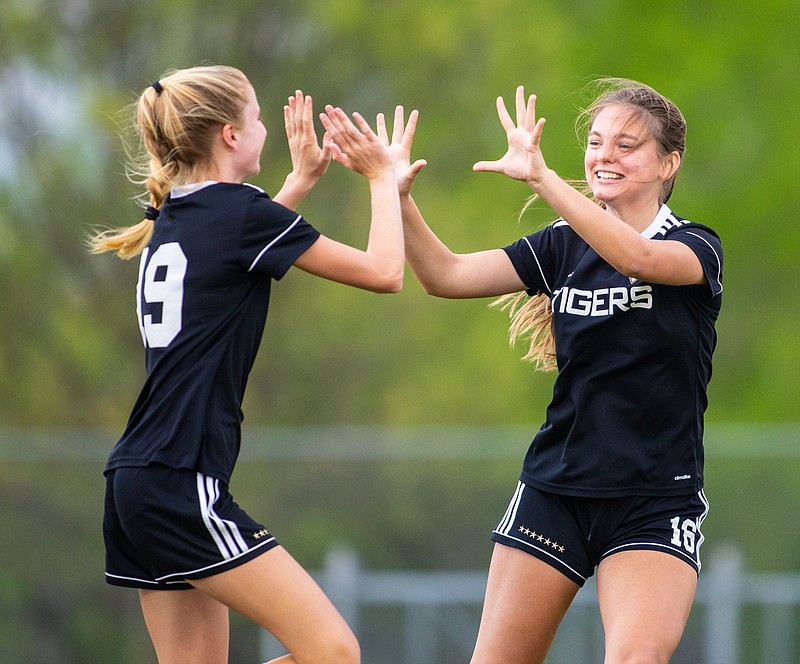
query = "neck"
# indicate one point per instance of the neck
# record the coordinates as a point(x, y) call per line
point(637, 217)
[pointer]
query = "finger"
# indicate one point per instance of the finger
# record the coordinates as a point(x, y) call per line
point(343, 132)
point(398, 130)
point(332, 120)
point(520, 104)
point(380, 122)
point(328, 146)
point(339, 156)
point(297, 106)
point(530, 114)
point(410, 130)
point(363, 125)
point(287, 121)
point(416, 167)
point(536, 134)
point(307, 117)
point(486, 166)
point(505, 118)
point(344, 125)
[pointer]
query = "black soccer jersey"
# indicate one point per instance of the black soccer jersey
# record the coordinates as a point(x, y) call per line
point(202, 300)
point(634, 360)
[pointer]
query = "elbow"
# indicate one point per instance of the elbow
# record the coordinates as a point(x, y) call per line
point(389, 283)
point(393, 286)
point(634, 265)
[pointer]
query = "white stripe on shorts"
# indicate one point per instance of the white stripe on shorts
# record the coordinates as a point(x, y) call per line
point(511, 512)
point(225, 533)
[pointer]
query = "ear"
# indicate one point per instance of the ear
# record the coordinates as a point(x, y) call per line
point(229, 136)
point(671, 165)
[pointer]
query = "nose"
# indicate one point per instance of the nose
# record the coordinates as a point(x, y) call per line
point(606, 152)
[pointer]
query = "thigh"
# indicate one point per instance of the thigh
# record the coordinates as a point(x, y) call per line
point(645, 599)
point(186, 626)
point(525, 602)
point(274, 591)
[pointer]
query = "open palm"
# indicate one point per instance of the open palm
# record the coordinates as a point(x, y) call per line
point(523, 160)
point(400, 147)
point(308, 159)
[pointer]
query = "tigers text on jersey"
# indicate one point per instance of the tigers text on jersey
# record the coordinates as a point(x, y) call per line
point(634, 361)
point(202, 300)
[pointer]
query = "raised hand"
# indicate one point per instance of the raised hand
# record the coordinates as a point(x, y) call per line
point(523, 160)
point(400, 147)
point(309, 161)
point(355, 147)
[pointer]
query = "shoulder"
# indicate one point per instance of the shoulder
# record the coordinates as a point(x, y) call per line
point(667, 224)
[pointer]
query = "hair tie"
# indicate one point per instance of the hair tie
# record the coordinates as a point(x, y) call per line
point(151, 213)
point(157, 87)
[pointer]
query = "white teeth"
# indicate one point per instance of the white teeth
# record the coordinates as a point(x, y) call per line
point(605, 175)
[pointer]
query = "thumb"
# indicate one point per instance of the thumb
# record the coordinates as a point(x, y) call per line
point(486, 166)
point(416, 167)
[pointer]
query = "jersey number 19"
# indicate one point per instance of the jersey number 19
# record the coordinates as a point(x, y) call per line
point(161, 282)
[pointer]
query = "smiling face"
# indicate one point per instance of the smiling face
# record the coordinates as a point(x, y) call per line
point(624, 167)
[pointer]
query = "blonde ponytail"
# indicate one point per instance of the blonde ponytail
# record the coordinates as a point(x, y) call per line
point(175, 121)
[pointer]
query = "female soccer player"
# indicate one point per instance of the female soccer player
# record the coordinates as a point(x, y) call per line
point(210, 248)
point(622, 295)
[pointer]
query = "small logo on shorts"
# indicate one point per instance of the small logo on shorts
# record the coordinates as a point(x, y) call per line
point(260, 534)
point(536, 537)
point(682, 477)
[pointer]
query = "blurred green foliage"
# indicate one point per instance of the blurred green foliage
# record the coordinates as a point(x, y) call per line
point(71, 354)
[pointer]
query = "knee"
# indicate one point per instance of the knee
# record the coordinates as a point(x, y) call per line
point(643, 653)
point(341, 649)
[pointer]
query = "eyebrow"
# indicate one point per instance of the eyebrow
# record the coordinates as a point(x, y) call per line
point(633, 136)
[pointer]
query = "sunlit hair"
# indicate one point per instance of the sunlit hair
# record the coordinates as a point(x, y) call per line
point(175, 130)
point(532, 316)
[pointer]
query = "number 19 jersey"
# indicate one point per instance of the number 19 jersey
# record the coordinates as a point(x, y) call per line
point(202, 299)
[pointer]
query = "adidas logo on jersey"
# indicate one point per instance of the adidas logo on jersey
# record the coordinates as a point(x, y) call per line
point(602, 301)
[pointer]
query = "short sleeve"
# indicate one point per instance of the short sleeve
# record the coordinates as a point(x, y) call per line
point(273, 237)
point(706, 245)
point(534, 257)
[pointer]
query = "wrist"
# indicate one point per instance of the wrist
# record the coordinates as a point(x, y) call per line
point(382, 177)
point(537, 183)
point(300, 183)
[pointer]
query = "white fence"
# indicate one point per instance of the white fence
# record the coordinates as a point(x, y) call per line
point(406, 617)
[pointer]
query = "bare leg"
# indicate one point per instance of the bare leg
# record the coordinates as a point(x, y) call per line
point(525, 602)
point(274, 591)
point(186, 626)
point(645, 600)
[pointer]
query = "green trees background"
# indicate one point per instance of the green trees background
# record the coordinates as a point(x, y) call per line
point(71, 355)
point(70, 352)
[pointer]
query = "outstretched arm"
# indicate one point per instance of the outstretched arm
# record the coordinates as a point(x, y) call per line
point(439, 270)
point(666, 262)
point(379, 268)
point(309, 161)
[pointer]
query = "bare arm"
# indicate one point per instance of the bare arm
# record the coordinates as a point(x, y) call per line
point(666, 262)
point(657, 261)
point(380, 267)
point(439, 270)
point(445, 274)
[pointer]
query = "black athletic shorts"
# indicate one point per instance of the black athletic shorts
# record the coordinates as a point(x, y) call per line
point(574, 534)
point(165, 526)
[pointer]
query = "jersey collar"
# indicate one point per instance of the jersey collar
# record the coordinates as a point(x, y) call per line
point(657, 223)
point(186, 189)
